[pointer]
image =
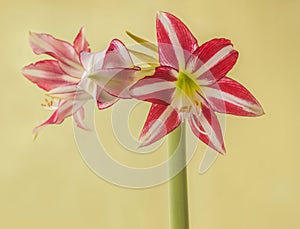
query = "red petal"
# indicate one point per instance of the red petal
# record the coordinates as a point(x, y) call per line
point(175, 42)
point(117, 56)
point(80, 42)
point(230, 97)
point(47, 75)
point(207, 128)
point(212, 60)
point(105, 100)
point(158, 88)
point(60, 50)
point(65, 109)
point(161, 120)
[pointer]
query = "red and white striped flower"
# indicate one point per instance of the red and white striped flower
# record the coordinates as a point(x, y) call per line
point(191, 83)
point(67, 78)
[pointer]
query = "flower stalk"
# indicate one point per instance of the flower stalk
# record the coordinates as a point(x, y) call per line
point(178, 187)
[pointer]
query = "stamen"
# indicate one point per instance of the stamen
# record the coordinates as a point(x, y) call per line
point(185, 109)
point(49, 103)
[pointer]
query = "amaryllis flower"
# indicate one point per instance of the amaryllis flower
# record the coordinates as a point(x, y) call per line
point(66, 78)
point(191, 83)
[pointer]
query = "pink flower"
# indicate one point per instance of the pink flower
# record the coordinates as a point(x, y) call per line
point(191, 83)
point(67, 78)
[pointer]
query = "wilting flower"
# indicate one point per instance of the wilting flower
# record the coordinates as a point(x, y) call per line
point(191, 83)
point(67, 78)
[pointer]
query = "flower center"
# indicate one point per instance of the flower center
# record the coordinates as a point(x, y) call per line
point(187, 93)
point(187, 84)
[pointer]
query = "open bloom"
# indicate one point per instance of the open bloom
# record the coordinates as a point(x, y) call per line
point(191, 83)
point(66, 78)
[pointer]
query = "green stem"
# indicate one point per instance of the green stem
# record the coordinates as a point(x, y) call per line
point(178, 190)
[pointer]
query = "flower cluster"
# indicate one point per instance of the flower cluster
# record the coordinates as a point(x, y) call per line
point(187, 81)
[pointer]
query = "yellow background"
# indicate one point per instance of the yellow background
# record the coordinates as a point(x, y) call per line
point(45, 184)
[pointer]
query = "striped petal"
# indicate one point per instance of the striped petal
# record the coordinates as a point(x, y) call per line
point(212, 60)
point(117, 56)
point(175, 42)
point(79, 119)
point(158, 88)
point(206, 127)
point(65, 109)
point(161, 120)
point(47, 75)
point(230, 97)
point(105, 100)
point(60, 50)
point(65, 89)
point(80, 43)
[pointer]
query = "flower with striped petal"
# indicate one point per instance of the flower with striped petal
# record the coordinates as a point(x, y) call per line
point(66, 81)
point(191, 83)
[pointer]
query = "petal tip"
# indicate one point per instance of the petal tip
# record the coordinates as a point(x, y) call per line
point(140, 145)
point(161, 13)
point(259, 111)
point(116, 40)
point(262, 112)
point(223, 152)
point(143, 141)
point(23, 70)
point(34, 137)
point(35, 133)
point(82, 29)
point(32, 34)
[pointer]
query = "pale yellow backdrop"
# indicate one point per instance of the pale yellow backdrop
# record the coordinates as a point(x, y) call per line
point(45, 184)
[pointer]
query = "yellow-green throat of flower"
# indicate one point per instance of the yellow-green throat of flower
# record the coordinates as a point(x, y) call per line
point(187, 84)
point(188, 91)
